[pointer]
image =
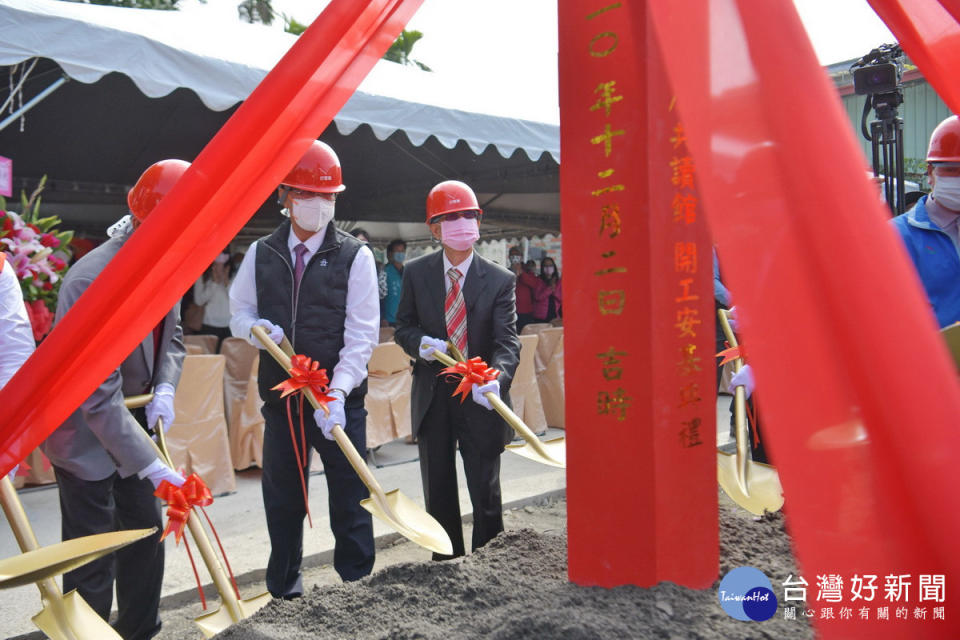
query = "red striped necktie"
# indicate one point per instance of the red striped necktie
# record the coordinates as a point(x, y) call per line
point(455, 312)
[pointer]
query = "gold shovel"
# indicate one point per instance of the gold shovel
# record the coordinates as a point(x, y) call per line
point(755, 486)
point(397, 510)
point(233, 609)
point(64, 617)
point(551, 452)
point(951, 334)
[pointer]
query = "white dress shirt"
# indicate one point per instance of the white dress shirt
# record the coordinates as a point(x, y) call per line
point(361, 329)
point(463, 267)
point(16, 333)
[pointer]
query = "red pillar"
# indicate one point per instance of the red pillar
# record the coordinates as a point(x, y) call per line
point(641, 396)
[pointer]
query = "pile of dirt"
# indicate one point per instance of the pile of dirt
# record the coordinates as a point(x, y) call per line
point(516, 587)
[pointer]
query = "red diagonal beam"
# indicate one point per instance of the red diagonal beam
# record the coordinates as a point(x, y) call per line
point(861, 398)
point(929, 32)
point(227, 182)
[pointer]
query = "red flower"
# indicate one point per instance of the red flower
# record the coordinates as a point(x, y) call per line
point(40, 318)
point(50, 240)
point(35, 228)
point(56, 263)
point(48, 286)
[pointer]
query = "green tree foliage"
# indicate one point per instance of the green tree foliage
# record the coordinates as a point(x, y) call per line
point(402, 47)
point(290, 25)
point(253, 11)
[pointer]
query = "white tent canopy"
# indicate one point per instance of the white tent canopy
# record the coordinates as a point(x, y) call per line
point(222, 63)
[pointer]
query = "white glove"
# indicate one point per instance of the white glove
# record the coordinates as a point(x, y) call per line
point(274, 331)
point(744, 377)
point(337, 415)
point(157, 472)
point(161, 407)
point(12, 474)
point(428, 344)
point(478, 391)
point(732, 318)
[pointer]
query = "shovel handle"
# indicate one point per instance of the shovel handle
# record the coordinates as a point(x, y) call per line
point(724, 316)
point(739, 408)
point(282, 355)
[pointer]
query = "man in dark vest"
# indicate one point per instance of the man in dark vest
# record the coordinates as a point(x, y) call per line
point(318, 286)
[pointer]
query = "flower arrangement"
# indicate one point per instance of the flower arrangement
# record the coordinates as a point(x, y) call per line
point(39, 254)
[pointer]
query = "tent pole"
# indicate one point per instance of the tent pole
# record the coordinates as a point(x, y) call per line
point(33, 102)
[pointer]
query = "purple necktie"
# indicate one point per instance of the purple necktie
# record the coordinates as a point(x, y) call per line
point(298, 268)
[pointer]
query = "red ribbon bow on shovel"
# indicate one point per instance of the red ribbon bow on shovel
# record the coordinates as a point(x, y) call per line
point(181, 501)
point(730, 354)
point(305, 372)
point(474, 371)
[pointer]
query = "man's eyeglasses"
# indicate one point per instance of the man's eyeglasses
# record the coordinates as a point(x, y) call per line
point(306, 195)
point(455, 215)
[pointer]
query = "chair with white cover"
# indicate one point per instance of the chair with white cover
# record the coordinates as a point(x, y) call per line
point(206, 341)
point(524, 390)
point(388, 394)
point(242, 403)
point(197, 440)
point(549, 368)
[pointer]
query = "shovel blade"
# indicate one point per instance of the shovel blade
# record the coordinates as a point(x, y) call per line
point(212, 623)
point(411, 520)
point(764, 492)
point(71, 618)
point(55, 559)
point(554, 452)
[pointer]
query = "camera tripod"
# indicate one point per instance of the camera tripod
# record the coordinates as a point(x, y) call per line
point(886, 139)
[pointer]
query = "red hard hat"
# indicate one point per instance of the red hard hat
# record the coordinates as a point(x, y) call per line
point(152, 185)
point(945, 141)
point(451, 196)
point(318, 171)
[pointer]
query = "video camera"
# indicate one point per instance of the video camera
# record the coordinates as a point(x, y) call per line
point(879, 71)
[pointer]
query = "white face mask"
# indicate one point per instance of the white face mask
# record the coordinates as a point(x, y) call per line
point(946, 192)
point(312, 214)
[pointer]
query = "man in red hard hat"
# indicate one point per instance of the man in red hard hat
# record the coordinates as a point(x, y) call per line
point(318, 286)
point(931, 229)
point(457, 295)
point(106, 471)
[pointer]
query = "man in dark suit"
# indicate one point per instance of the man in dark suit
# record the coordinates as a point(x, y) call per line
point(106, 470)
point(458, 295)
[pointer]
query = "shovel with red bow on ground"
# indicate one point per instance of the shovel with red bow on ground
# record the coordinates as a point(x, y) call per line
point(475, 371)
point(181, 504)
point(397, 510)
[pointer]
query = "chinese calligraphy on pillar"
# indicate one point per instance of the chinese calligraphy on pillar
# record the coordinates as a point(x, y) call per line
point(635, 312)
